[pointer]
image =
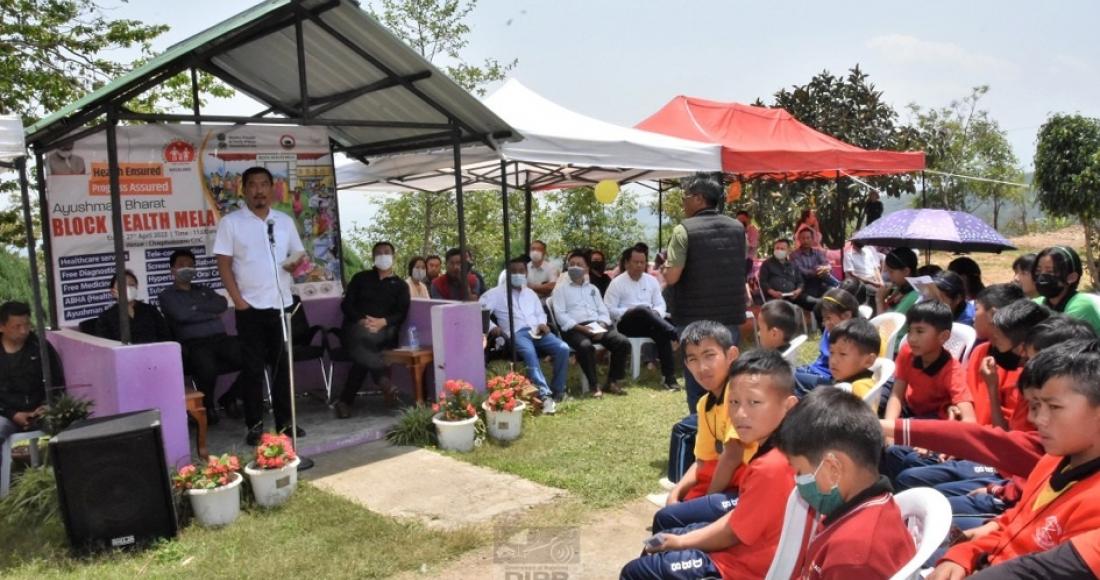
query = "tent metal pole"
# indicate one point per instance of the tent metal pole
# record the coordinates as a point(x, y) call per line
point(36, 292)
point(464, 272)
point(47, 238)
point(660, 214)
point(923, 191)
point(507, 257)
point(303, 87)
point(116, 226)
point(527, 218)
point(195, 107)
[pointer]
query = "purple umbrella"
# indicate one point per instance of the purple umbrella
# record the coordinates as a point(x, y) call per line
point(933, 229)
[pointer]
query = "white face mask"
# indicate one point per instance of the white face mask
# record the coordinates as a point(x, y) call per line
point(518, 280)
point(131, 293)
point(383, 261)
point(536, 256)
point(419, 274)
point(781, 255)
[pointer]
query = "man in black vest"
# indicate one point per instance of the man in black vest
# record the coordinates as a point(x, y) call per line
point(705, 270)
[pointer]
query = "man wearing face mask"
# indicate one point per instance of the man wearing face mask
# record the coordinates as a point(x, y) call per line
point(834, 442)
point(1057, 272)
point(780, 279)
point(375, 306)
point(542, 274)
point(597, 271)
point(63, 161)
point(194, 314)
point(585, 322)
point(146, 323)
point(533, 338)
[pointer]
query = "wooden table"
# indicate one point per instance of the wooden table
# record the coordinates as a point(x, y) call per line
point(417, 361)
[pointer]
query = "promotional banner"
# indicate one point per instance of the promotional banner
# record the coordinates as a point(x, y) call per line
point(176, 182)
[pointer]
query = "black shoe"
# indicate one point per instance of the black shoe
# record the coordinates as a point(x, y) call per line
point(672, 385)
point(231, 407)
point(342, 409)
point(254, 435)
point(286, 431)
point(212, 417)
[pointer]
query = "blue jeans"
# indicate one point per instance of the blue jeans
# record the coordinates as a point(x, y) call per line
point(806, 381)
point(685, 564)
point(530, 349)
point(701, 510)
point(692, 388)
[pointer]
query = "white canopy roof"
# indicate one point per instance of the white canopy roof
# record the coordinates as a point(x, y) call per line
point(560, 148)
point(11, 138)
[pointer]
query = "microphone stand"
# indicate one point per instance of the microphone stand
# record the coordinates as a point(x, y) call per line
point(285, 324)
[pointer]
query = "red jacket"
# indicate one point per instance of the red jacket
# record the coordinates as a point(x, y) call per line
point(1006, 383)
point(1025, 529)
point(1088, 547)
point(1011, 453)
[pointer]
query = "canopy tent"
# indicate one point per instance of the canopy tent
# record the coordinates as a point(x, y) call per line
point(310, 62)
point(560, 148)
point(11, 139)
point(770, 143)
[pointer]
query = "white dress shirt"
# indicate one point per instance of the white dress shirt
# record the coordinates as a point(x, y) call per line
point(577, 303)
point(864, 263)
point(527, 311)
point(625, 293)
point(242, 235)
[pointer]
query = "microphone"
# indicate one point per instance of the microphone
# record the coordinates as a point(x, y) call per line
point(271, 230)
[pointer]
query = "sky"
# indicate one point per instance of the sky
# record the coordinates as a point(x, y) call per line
point(620, 61)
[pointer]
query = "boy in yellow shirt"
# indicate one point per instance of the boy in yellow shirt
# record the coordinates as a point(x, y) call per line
point(853, 347)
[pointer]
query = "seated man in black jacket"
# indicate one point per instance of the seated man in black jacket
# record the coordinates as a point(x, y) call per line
point(375, 305)
point(22, 386)
point(194, 313)
point(779, 278)
point(146, 323)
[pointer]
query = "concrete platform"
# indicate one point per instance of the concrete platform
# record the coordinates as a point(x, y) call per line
point(324, 433)
point(409, 482)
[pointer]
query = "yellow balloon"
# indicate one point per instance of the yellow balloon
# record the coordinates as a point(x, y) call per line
point(606, 191)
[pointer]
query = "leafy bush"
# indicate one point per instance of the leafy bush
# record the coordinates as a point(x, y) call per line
point(33, 499)
point(63, 412)
point(415, 427)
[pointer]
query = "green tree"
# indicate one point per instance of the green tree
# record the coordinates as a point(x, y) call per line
point(963, 139)
point(1067, 176)
point(15, 278)
point(849, 108)
point(584, 222)
point(52, 52)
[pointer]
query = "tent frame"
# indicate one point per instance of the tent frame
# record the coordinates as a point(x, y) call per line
point(83, 122)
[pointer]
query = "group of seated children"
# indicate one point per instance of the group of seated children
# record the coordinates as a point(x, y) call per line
point(1011, 437)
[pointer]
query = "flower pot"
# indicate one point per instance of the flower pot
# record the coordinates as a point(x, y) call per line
point(219, 506)
point(272, 487)
point(505, 425)
point(455, 435)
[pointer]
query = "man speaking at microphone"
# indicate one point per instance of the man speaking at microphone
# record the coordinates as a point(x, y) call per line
point(253, 247)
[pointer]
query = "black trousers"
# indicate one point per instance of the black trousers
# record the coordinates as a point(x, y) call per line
point(210, 356)
point(365, 349)
point(585, 351)
point(643, 322)
point(261, 340)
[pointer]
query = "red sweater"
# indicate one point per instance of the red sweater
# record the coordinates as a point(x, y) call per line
point(1006, 387)
point(1025, 529)
point(1088, 547)
point(1011, 453)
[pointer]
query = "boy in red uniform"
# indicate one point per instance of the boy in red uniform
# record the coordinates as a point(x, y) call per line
point(708, 489)
point(741, 543)
point(832, 439)
point(928, 383)
point(990, 370)
point(1058, 500)
point(1003, 405)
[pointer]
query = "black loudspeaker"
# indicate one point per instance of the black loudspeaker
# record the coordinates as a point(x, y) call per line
point(113, 482)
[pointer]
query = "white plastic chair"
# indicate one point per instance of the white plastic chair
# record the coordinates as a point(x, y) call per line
point(5, 456)
point(791, 354)
point(889, 325)
point(865, 311)
point(928, 516)
point(883, 370)
point(961, 342)
point(791, 538)
point(636, 344)
point(755, 329)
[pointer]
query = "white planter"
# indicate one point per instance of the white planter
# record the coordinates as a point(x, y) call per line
point(272, 487)
point(455, 435)
point(505, 425)
point(219, 506)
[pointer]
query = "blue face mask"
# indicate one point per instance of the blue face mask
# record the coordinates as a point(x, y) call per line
point(823, 503)
point(518, 280)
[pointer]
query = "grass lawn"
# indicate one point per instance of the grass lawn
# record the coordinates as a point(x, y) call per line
point(316, 535)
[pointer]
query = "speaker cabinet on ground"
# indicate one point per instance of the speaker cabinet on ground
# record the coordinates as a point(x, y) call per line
point(113, 482)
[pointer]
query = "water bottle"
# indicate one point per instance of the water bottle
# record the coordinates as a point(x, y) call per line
point(414, 338)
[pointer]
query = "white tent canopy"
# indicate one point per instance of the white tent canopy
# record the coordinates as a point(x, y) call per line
point(560, 148)
point(11, 138)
